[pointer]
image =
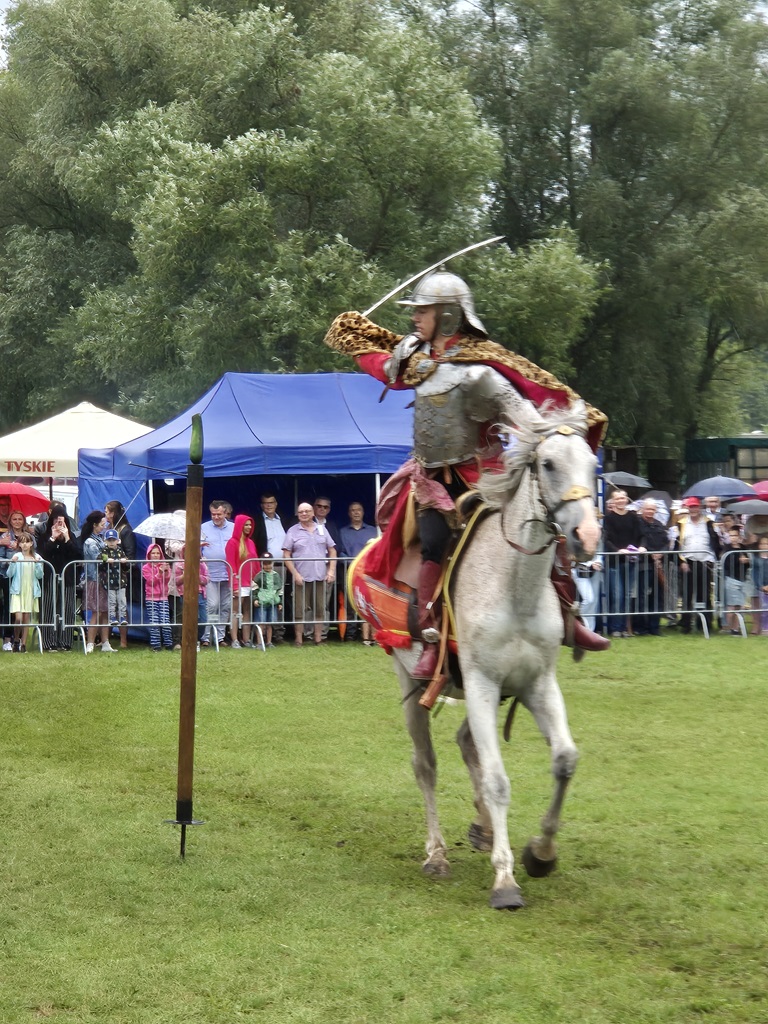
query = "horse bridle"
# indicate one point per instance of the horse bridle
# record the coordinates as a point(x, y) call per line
point(574, 493)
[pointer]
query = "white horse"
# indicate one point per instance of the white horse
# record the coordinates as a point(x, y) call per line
point(509, 629)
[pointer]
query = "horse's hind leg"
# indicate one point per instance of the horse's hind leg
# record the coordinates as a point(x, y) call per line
point(548, 708)
point(425, 769)
point(480, 832)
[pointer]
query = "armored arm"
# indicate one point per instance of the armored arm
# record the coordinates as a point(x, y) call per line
point(491, 398)
point(401, 353)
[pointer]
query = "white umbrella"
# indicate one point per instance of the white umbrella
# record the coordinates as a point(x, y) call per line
point(168, 525)
point(621, 479)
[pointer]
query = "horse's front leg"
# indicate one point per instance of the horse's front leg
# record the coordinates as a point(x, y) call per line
point(482, 700)
point(424, 764)
point(547, 706)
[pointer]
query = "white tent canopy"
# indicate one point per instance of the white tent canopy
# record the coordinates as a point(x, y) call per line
point(49, 449)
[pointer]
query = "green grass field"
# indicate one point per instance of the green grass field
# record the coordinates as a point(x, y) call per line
point(301, 898)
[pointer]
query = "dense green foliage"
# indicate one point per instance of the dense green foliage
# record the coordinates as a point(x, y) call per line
point(186, 190)
point(301, 901)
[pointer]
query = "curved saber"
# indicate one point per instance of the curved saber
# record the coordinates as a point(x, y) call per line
point(421, 273)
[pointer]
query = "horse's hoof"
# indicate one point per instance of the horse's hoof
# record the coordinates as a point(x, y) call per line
point(481, 839)
point(507, 899)
point(436, 868)
point(536, 867)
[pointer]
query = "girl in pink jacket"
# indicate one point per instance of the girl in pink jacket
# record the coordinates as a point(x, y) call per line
point(157, 575)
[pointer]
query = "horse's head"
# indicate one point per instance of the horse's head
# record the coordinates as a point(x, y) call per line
point(552, 450)
point(564, 466)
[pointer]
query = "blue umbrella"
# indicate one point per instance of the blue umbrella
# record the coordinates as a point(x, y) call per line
point(720, 487)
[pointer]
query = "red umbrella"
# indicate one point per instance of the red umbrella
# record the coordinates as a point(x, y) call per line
point(26, 499)
point(761, 488)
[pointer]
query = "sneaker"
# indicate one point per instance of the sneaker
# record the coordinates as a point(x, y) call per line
point(235, 645)
point(7, 646)
point(22, 649)
point(177, 647)
point(89, 648)
point(113, 622)
point(107, 647)
point(268, 645)
point(123, 622)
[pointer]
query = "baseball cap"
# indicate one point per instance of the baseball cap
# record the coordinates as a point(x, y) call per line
point(692, 503)
point(111, 535)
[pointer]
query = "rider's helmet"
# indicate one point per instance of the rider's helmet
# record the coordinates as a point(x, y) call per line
point(451, 293)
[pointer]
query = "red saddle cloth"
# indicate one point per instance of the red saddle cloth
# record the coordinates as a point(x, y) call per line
point(383, 604)
point(381, 582)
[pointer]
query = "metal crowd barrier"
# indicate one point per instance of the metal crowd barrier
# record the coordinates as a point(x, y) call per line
point(47, 617)
point(630, 593)
point(235, 613)
point(618, 593)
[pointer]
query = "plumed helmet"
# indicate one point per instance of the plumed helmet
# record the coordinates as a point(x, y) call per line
point(444, 289)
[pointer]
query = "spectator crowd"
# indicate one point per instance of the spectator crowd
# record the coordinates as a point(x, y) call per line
point(676, 564)
point(265, 580)
point(262, 580)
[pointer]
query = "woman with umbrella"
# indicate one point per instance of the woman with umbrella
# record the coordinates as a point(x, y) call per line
point(60, 550)
point(117, 519)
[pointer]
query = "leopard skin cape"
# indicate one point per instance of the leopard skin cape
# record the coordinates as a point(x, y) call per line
point(353, 334)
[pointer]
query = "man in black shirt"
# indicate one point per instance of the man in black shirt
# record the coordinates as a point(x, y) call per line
point(650, 579)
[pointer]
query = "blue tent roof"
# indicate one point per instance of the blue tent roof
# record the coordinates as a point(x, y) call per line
point(258, 424)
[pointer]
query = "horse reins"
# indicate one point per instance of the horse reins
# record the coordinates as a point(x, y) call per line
point(575, 493)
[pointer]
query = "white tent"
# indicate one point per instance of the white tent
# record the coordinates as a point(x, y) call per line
point(49, 449)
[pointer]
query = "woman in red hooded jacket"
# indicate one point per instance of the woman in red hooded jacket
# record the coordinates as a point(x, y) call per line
point(241, 555)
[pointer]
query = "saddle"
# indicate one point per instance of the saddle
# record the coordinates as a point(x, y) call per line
point(382, 584)
point(389, 604)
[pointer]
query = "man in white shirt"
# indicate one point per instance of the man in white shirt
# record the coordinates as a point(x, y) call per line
point(217, 531)
point(699, 548)
point(272, 524)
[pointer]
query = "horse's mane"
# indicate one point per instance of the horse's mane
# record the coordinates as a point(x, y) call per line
point(496, 489)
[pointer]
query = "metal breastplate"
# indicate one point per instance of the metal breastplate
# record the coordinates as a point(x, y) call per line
point(443, 432)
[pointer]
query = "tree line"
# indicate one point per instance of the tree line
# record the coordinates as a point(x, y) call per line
point(191, 189)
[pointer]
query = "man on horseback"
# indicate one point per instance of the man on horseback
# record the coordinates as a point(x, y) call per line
point(468, 389)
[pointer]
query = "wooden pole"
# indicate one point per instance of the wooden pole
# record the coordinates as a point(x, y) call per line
point(188, 682)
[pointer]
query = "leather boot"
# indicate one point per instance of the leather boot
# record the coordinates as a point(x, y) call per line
point(429, 620)
point(576, 633)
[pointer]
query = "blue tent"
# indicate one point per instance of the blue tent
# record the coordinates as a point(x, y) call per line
point(262, 425)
